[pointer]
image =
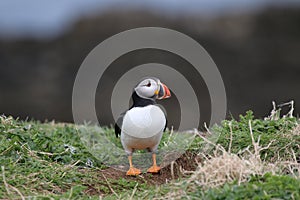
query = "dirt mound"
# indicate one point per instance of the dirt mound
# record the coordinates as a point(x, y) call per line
point(188, 162)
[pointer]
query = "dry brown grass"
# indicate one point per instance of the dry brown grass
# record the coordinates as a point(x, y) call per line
point(225, 167)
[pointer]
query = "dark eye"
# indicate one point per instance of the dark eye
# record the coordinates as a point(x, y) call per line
point(149, 84)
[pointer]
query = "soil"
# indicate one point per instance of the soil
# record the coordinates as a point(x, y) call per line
point(187, 162)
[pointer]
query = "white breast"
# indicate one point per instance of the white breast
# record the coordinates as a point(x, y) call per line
point(144, 122)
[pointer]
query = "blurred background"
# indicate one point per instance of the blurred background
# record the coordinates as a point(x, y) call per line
point(254, 43)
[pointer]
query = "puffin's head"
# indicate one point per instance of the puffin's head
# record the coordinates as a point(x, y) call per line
point(152, 88)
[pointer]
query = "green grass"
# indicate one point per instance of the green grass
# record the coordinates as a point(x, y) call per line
point(259, 187)
point(264, 187)
point(51, 161)
point(276, 133)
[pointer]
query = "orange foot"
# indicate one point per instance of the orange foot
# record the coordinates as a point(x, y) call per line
point(154, 169)
point(133, 172)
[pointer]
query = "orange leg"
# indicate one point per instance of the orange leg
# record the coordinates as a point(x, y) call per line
point(154, 168)
point(132, 171)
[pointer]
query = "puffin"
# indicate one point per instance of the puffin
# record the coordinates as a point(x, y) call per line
point(143, 124)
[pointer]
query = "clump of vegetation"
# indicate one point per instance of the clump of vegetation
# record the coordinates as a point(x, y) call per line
point(275, 134)
point(267, 186)
point(250, 158)
point(60, 143)
point(38, 158)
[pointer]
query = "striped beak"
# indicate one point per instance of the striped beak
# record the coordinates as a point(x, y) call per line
point(163, 92)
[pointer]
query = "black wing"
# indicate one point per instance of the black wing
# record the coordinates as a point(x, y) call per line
point(166, 125)
point(118, 124)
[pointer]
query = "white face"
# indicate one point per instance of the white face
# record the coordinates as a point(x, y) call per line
point(147, 88)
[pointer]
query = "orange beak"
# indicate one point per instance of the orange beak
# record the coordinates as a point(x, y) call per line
point(163, 92)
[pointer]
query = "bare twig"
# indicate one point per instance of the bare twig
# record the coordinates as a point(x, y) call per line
point(19, 193)
point(172, 169)
point(171, 133)
point(4, 180)
point(230, 142)
point(50, 154)
point(7, 185)
point(6, 150)
point(290, 104)
point(255, 144)
point(206, 140)
point(267, 147)
point(273, 112)
point(294, 155)
point(110, 186)
point(134, 190)
point(205, 126)
point(71, 193)
point(78, 161)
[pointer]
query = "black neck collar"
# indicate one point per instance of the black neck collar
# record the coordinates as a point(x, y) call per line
point(141, 102)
